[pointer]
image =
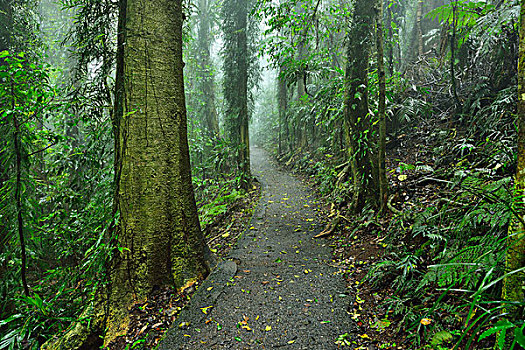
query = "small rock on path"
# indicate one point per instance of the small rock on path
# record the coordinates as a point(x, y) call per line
point(284, 293)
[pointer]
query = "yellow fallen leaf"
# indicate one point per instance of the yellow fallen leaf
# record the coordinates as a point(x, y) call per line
point(364, 336)
point(268, 328)
point(425, 321)
point(205, 309)
point(209, 288)
point(402, 177)
point(291, 342)
point(225, 235)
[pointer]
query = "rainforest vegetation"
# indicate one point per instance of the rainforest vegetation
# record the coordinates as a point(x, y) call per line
point(143, 141)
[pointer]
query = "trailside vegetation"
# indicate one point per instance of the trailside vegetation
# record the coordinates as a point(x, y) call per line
point(125, 135)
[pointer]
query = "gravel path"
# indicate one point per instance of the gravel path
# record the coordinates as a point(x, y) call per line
point(278, 290)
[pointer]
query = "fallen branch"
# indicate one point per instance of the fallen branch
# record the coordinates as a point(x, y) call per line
point(391, 207)
point(341, 166)
point(426, 180)
point(330, 228)
point(452, 202)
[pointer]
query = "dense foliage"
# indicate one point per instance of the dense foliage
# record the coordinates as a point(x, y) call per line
point(451, 147)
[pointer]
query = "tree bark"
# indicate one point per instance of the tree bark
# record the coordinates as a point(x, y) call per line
point(357, 122)
point(236, 64)
point(383, 182)
point(453, 53)
point(159, 241)
point(419, 28)
point(206, 72)
point(513, 284)
point(283, 107)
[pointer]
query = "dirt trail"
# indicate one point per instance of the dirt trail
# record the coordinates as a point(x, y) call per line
point(278, 290)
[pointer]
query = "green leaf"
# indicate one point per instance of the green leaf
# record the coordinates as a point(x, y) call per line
point(501, 338)
point(499, 326)
point(441, 337)
point(10, 319)
point(518, 335)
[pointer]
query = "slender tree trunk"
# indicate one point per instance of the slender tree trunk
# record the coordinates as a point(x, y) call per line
point(357, 122)
point(390, 42)
point(419, 28)
point(18, 201)
point(383, 182)
point(283, 106)
point(6, 304)
point(6, 25)
point(513, 284)
point(206, 72)
point(453, 53)
point(236, 64)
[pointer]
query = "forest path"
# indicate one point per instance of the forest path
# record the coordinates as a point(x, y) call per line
point(278, 290)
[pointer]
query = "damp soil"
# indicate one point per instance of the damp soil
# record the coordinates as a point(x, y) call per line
point(279, 287)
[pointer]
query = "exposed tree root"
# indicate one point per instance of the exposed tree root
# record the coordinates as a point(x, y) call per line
point(330, 228)
point(391, 207)
point(84, 334)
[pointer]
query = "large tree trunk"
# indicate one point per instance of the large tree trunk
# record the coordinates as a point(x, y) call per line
point(513, 284)
point(357, 122)
point(159, 238)
point(160, 241)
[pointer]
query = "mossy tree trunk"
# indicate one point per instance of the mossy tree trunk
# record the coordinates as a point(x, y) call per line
point(514, 284)
point(159, 240)
point(235, 14)
point(357, 121)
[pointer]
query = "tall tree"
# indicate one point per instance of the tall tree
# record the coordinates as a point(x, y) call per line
point(205, 70)
point(381, 147)
point(236, 68)
point(160, 241)
point(515, 260)
point(6, 24)
point(283, 107)
point(159, 238)
point(357, 120)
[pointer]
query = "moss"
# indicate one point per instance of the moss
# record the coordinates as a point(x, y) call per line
point(83, 334)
